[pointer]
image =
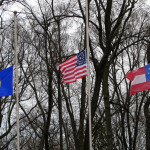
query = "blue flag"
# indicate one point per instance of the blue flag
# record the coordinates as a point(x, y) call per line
point(6, 82)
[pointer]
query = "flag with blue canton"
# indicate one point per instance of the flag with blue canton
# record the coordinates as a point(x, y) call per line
point(140, 79)
point(6, 82)
point(81, 58)
point(147, 72)
point(74, 68)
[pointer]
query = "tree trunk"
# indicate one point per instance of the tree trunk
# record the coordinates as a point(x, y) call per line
point(50, 105)
point(147, 116)
point(146, 109)
point(59, 92)
point(107, 109)
point(82, 116)
point(60, 112)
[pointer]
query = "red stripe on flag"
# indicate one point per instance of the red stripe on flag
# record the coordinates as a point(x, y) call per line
point(139, 87)
point(72, 79)
point(73, 59)
point(76, 75)
point(69, 69)
point(68, 65)
point(73, 71)
point(131, 75)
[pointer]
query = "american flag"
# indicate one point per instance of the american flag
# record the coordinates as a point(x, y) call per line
point(74, 68)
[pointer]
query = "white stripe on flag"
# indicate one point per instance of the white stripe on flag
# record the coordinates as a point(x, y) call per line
point(68, 65)
point(67, 61)
point(139, 79)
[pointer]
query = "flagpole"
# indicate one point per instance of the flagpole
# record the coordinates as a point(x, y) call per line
point(16, 79)
point(88, 66)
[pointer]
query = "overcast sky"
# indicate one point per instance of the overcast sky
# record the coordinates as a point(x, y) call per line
point(18, 8)
point(148, 2)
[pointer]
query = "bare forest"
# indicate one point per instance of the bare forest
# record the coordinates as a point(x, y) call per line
point(54, 116)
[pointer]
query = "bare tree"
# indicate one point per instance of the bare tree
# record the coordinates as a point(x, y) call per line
point(55, 115)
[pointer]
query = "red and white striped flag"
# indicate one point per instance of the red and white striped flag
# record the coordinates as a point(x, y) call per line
point(74, 68)
point(140, 79)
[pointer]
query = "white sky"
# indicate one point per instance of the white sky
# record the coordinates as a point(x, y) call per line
point(17, 7)
point(9, 10)
point(148, 2)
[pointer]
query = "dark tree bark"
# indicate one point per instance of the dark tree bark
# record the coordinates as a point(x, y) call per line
point(50, 106)
point(107, 109)
point(59, 89)
point(146, 109)
point(82, 116)
point(147, 116)
point(2, 2)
